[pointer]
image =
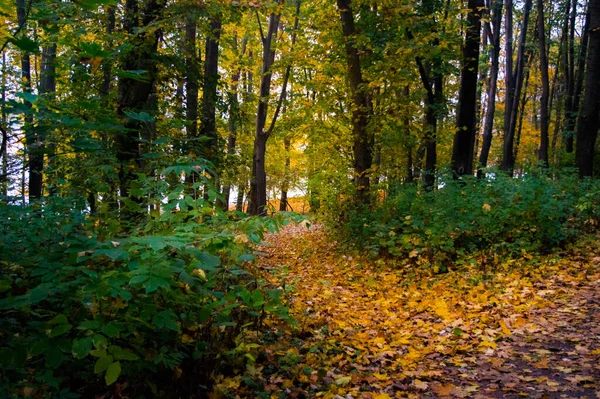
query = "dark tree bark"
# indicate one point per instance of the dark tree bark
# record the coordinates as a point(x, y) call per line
point(257, 202)
point(361, 107)
point(569, 59)
point(107, 63)
point(521, 112)
point(544, 118)
point(208, 128)
point(466, 124)
point(409, 147)
point(239, 204)
point(509, 80)
point(191, 83)
point(4, 131)
point(135, 95)
point(47, 90)
point(488, 124)
point(234, 116)
point(35, 156)
point(589, 116)
point(283, 203)
point(572, 107)
point(513, 92)
point(107, 78)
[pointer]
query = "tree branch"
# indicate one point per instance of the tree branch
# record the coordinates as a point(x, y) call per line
point(18, 28)
point(262, 33)
point(286, 76)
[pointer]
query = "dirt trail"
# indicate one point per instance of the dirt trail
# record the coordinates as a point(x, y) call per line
point(367, 330)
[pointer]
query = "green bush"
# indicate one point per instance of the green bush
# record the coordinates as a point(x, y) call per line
point(150, 314)
point(502, 215)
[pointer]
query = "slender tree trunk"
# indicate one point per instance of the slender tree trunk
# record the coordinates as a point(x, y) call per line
point(361, 107)
point(34, 155)
point(589, 117)
point(4, 129)
point(409, 147)
point(544, 117)
point(283, 203)
point(47, 90)
point(234, 115)
point(488, 124)
point(239, 204)
point(509, 80)
point(191, 83)
point(135, 96)
point(107, 64)
point(571, 112)
point(208, 128)
point(522, 104)
point(466, 124)
point(508, 161)
point(257, 203)
point(107, 78)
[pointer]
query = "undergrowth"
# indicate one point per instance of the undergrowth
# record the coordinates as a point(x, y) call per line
point(494, 217)
point(85, 311)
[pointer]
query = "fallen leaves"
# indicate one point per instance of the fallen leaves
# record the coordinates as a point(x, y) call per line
point(370, 330)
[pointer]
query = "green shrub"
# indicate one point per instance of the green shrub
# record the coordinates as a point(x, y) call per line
point(158, 310)
point(502, 215)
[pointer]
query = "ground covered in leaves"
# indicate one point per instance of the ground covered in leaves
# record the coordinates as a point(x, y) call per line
point(525, 328)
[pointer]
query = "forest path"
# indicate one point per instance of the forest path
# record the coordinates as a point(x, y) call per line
point(367, 330)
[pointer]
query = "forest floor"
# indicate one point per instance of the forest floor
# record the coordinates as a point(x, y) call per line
point(526, 328)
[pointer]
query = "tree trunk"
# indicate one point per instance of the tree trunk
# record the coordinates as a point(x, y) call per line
point(191, 84)
point(522, 104)
point(208, 128)
point(107, 63)
point(509, 80)
point(589, 117)
point(361, 107)
point(234, 115)
point(283, 203)
point(516, 82)
point(544, 120)
point(4, 130)
point(572, 111)
point(409, 147)
point(488, 124)
point(134, 96)
point(35, 157)
point(257, 202)
point(466, 124)
point(47, 90)
point(239, 204)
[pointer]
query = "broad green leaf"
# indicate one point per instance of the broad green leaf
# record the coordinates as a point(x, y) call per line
point(122, 354)
point(82, 347)
point(60, 329)
point(112, 373)
point(102, 364)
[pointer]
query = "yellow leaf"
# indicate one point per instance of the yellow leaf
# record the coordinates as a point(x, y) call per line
point(443, 390)
point(241, 239)
point(422, 385)
point(486, 207)
point(342, 381)
point(413, 253)
point(200, 273)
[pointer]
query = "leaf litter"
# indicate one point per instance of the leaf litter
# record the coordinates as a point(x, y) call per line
point(368, 329)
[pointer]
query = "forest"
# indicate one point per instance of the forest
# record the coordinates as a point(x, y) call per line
point(299, 198)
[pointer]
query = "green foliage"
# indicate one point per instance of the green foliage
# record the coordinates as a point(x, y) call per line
point(82, 308)
point(500, 215)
